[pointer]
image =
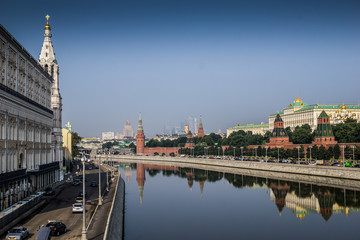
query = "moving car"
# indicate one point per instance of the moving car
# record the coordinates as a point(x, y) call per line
point(93, 184)
point(49, 191)
point(56, 227)
point(77, 208)
point(76, 182)
point(17, 233)
point(79, 199)
point(357, 165)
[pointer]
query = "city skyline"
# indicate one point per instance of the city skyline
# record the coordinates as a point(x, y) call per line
point(193, 57)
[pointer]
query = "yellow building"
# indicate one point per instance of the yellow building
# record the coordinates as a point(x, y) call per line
point(67, 142)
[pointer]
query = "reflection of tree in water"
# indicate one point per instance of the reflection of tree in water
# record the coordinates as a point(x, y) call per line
point(153, 172)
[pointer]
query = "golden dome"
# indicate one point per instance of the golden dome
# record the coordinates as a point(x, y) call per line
point(297, 100)
point(343, 107)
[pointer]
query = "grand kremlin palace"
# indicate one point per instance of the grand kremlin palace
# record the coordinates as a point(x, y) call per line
point(299, 113)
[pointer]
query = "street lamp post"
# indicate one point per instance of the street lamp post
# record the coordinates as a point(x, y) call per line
point(343, 147)
point(242, 155)
point(100, 198)
point(218, 151)
point(107, 172)
point(310, 147)
point(266, 148)
point(234, 151)
point(353, 148)
point(278, 153)
point(298, 148)
point(83, 234)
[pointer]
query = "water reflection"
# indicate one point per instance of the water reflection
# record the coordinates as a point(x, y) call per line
point(300, 198)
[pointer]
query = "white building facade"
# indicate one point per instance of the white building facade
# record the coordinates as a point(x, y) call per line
point(299, 113)
point(27, 162)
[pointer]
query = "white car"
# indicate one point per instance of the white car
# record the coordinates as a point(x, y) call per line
point(18, 233)
point(77, 208)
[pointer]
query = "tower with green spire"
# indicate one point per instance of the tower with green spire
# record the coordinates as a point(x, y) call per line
point(279, 135)
point(140, 138)
point(323, 133)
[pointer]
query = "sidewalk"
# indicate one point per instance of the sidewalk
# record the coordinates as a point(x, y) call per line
point(98, 223)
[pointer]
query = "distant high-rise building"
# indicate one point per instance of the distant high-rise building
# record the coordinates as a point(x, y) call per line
point(108, 135)
point(196, 126)
point(128, 130)
point(186, 128)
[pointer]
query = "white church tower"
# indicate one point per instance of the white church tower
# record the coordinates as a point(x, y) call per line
point(48, 62)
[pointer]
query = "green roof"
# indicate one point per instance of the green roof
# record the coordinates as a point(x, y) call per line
point(323, 115)
point(250, 126)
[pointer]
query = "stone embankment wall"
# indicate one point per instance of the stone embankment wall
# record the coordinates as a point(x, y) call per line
point(115, 225)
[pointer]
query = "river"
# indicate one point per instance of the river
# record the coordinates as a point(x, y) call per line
point(166, 202)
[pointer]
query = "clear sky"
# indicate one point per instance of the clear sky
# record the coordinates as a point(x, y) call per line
point(234, 62)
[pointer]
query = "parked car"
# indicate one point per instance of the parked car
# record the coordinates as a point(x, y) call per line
point(49, 191)
point(18, 233)
point(336, 164)
point(56, 227)
point(349, 164)
point(357, 165)
point(44, 233)
point(77, 208)
point(93, 184)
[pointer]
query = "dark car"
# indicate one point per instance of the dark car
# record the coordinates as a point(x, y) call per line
point(93, 184)
point(49, 191)
point(81, 194)
point(56, 228)
point(336, 165)
point(76, 182)
point(357, 165)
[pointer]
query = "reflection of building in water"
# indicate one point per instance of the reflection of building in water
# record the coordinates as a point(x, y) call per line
point(140, 174)
point(190, 179)
point(140, 178)
point(322, 202)
point(280, 191)
point(326, 201)
point(128, 173)
point(301, 206)
point(201, 183)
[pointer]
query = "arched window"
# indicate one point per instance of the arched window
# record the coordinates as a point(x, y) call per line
point(46, 67)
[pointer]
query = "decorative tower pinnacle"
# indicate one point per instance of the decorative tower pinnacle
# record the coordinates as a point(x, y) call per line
point(201, 132)
point(140, 138)
point(48, 61)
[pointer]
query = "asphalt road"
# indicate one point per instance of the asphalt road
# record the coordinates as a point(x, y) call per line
point(60, 207)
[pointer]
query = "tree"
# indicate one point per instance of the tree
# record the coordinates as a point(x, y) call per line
point(337, 151)
point(323, 153)
point(302, 135)
point(75, 140)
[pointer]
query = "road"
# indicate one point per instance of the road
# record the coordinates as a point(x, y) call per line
point(60, 207)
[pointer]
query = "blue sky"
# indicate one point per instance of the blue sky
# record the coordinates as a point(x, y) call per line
point(234, 62)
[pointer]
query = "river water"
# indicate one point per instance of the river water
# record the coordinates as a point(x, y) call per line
point(164, 202)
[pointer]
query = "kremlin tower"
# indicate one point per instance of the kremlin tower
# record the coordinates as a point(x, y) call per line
point(279, 136)
point(140, 138)
point(201, 132)
point(323, 132)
